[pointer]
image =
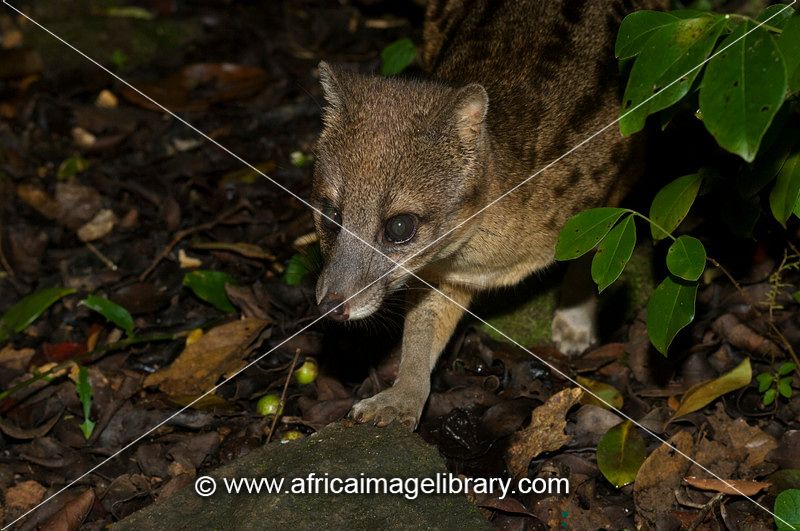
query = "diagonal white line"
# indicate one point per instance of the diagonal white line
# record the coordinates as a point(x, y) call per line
point(397, 264)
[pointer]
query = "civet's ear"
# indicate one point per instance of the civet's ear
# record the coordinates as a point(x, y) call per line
point(471, 103)
point(332, 88)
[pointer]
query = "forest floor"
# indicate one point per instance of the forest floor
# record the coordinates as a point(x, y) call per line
point(105, 197)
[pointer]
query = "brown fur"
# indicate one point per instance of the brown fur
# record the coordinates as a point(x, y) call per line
point(514, 85)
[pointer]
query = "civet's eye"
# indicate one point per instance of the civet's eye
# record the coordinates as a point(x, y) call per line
point(331, 218)
point(401, 228)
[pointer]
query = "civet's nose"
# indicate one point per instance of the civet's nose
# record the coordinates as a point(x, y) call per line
point(334, 303)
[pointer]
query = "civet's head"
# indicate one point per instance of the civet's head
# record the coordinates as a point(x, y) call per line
point(398, 165)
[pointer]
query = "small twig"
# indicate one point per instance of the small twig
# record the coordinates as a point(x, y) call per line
point(180, 235)
point(704, 510)
point(103, 258)
point(283, 394)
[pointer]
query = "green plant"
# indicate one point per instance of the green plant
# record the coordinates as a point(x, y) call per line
point(741, 77)
point(397, 56)
point(83, 386)
point(112, 311)
point(772, 384)
point(28, 309)
point(302, 264)
point(210, 286)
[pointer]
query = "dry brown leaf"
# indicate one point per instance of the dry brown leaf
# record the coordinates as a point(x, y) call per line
point(735, 487)
point(38, 199)
point(16, 359)
point(219, 351)
point(659, 476)
point(545, 433)
point(71, 515)
point(194, 87)
point(77, 204)
point(742, 336)
point(248, 250)
point(99, 227)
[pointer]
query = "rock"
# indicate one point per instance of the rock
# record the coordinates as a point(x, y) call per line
point(338, 451)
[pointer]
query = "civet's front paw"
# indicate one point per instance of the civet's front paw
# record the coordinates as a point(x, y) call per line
point(574, 329)
point(392, 405)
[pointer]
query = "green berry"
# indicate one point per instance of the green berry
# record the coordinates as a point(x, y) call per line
point(269, 405)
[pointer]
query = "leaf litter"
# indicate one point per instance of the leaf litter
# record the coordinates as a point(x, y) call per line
point(100, 180)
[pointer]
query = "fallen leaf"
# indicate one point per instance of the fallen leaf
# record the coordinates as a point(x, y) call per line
point(742, 336)
point(21, 433)
point(60, 352)
point(72, 514)
point(658, 477)
point(620, 454)
point(608, 395)
point(210, 286)
point(99, 227)
point(195, 87)
point(39, 200)
point(27, 310)
point(83, 138)
point(545, 433)
point(734, 487)
point(188, 262)
point(16, 359)
point(703, 394)
point(219, 351)
point(77, 204)
point(245, 249)
point(106, 100)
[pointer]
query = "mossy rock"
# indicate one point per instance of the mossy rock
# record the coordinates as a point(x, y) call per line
point(336, 451)
point(525, 311)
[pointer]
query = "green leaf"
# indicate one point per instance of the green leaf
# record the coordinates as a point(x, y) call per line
point(27, 310)
point(613, 253)
point(770, 161)
point(787, 508)
point(210, 286)
point(584, 231)
point(296, 270)
point(769, 396)
point(609, 395)
point(112, 311)
point(786, 368)
point(620, 454)
point(704, 393)
point(666, 67)
point(764, 381)
point(742, 89)
point(71, 167)
point(84, 389)
point(672, 203)
point(637, 28)
point(686, 258)
point(301, 264)
point(789, 43)
point(776, 15)
point(785, 387)
point(397, 56)
point(785, 193)
point(670, 309)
